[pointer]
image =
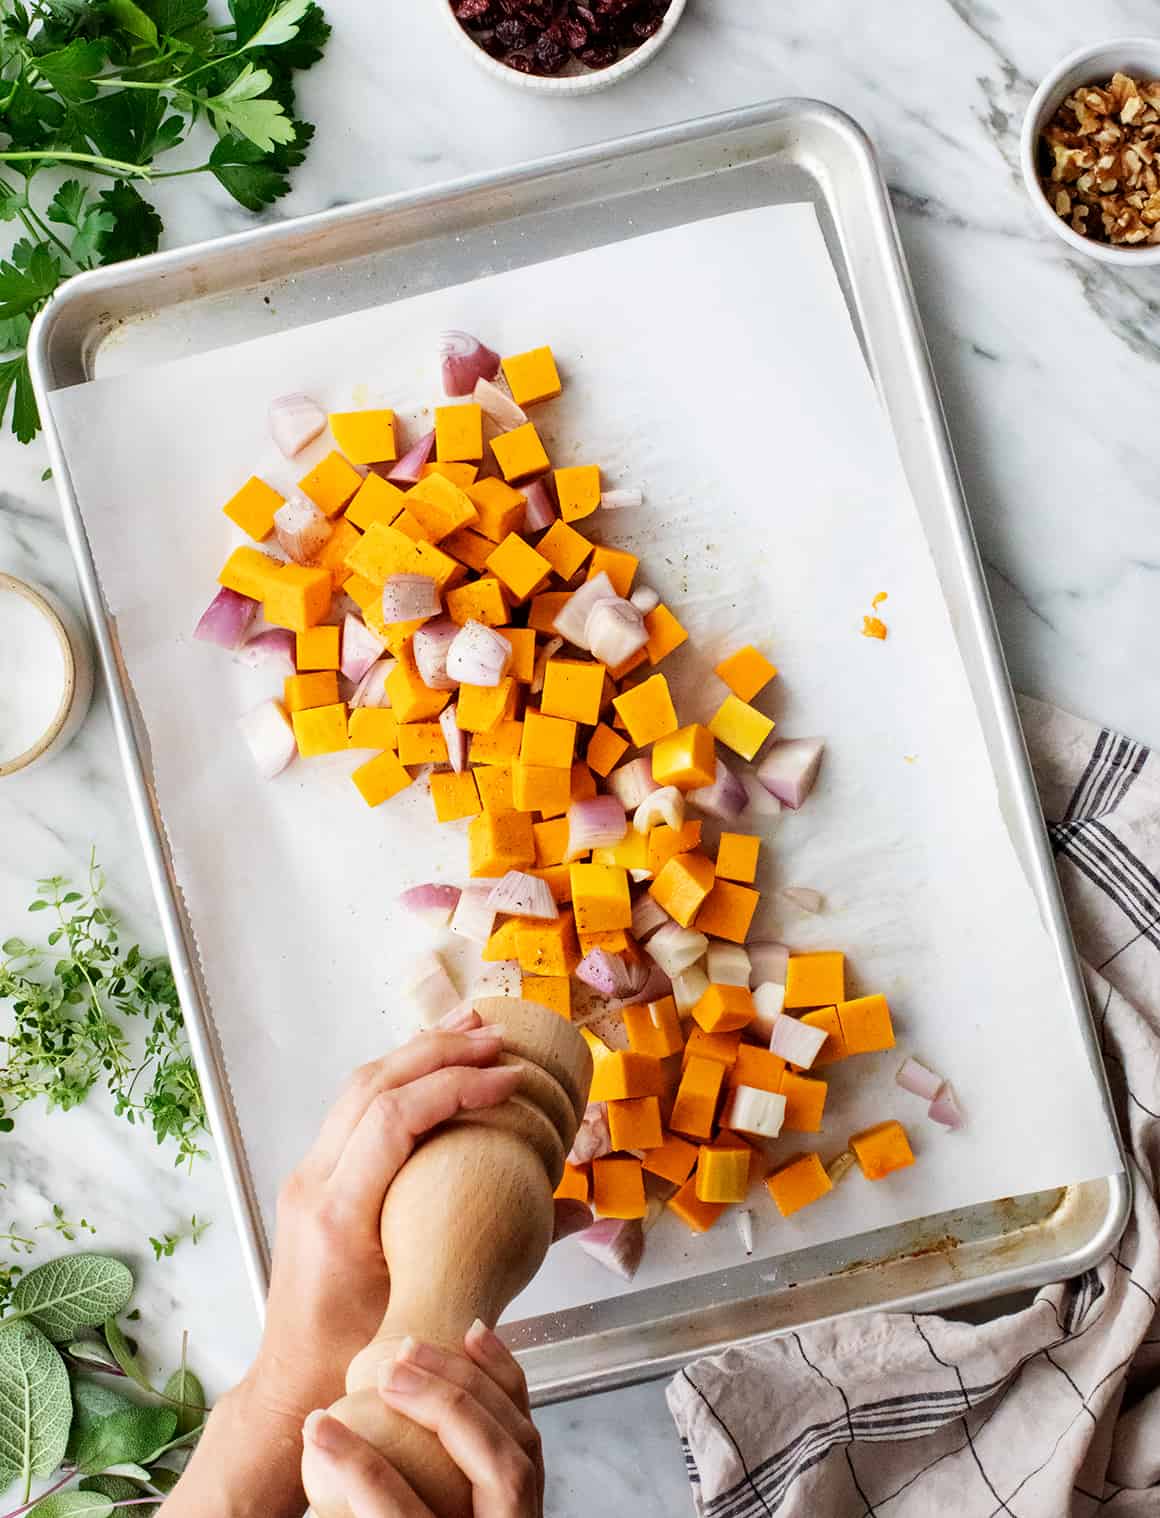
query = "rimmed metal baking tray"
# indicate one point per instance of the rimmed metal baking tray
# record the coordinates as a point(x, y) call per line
point(216, 294)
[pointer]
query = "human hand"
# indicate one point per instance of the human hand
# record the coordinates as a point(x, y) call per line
point(478, 1409)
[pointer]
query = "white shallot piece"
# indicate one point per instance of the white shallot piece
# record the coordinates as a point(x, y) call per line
point(645, 599)
point(688, 988)
point(408, 470)
point(539, 507)
point(655, 1208)
point(410, 598)
point(615, 1243)
point(572, 618)
point(430, 646)
point(617, 500)
point(796, 1042)
point(745, 1228)
point(274, 646)
point(226, 620)
point(726, 798)
point(761, 803)
point(918, 1080)
point(665, 805)
point(294, 421)
point(372, 688)
point(749, 1110)
point(768, 1000)
point(676, 949)
point(728, 964)
point(647, 916)
point(636, 876)
point(498, 977)
point(361, 647)
point(473, 918)
point(614, 631)
point(808, 900)
point(478, 655)
point(632, 782)
point(770, 961)
point(431, 988)
point(595, 823)
point(593, 1140)
point(432, 901)
point(464, 361)
point(840, 1166)
point(945, 1109)
point(301, 529)
point(606, 973)
point(498, 406)
point(790, 768)
point(269, 737)
point(549, 651)
point(655, 987)
point(454, 737)
point(521, 895)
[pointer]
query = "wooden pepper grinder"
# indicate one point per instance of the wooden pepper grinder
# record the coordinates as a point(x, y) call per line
point(465, 1226)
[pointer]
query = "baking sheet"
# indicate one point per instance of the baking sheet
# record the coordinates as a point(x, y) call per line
point(716, 365)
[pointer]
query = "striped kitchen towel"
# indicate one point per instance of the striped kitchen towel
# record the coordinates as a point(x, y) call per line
point(1050, 1412)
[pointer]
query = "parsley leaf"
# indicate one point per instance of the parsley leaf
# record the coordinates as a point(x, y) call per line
point(90, 223)
point(256, 179)
point(136, 225)
point(241, 108)
point(28, 280)
point(72, 69)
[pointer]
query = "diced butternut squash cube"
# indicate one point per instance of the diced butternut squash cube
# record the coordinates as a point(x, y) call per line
point(605, 750)
point(665, 633)
point(882, 1149)
point(383, 551)
point(330, 484)
point(440, 506)
point(372, 727)
point(297, 597)
point(381, 778)
point(318, 648)
point(252, 508)
point(815, 980)
point(320, 729)
point(759, 1068)
point(740, 727)
point(332, 554)
point(494, 783)
point(518, 565)
point(648, 711)
point(299, 692)
point(502, 943)
point(583, 782)
point(578, 491)
point(622, 1075)
point(654, 1028)
point(500, 746)
point(618, 1188)
point(481, 708)
point(686, 758)
point(501, 509)
point(745, 672)
point(458, 473)
point(366, 437)
point(551, 841)
point(573, 1185)
point(600, 897)
point(805, 1100)
point(548, 740)
point(724, 1048)
point(696, 1215)
point(635, 1123)
point(796, 1185)
point(532, 376)
point(376, 500)
point(614, 940)
point(723, 1172)
point(673, 1159)
point(696, 1102)
point(728, 911)
point(834, 1047)
point(363, 592)
point(866, 1025)
point(453, 795)
point(634, 661)
point(723, 1009)
point(737, 857)
point(422, 743)
point(551, 991)
point(631, 853)
point(619, 566)
point(249, 571)
point(481, 601)
point(682, 885)
point(500, 841)
point(468, 547)
point(665, 843)
point(564, 548)
point(549, 948)
point(540, 787)
point(573, 689)
point(519, 453)
point(459, 431)
point(545, 608)
point(412, 700)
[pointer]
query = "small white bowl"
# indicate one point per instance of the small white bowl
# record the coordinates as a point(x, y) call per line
point(568, 85)
point(1138, 57)
point(76, 686)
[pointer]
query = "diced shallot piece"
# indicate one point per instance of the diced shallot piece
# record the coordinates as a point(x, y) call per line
point(761, 803)
point(410, 598)
point(615, 1243)
point(372, 688)
point(617, 500)
point(499, 977)
point(498, 405)
point(749, 1110)
point(430, 647)
point(361, 647)
point(549, 651)
point(632, 782)
point(768, 1000)
point(808, 900)
point(454, 737)
point(636, 876)
point(665, 805)
point(688, 988)
point(573, 616)
point(522, 895)
point(790, 768)
point(676, 949)
point(725, 799)
point(434, 902)
point(604, 972)
point(593, 1140)
point(226, 620)
point(275, 646)
point(464, 360)
point(745, 1228)
point(840, 1166)
point(647, 916)
point(796, 1042)
point(945, 1109)
point(769, 960)
point(301, 529)
point(408, 470)
point(656, 987)
point(539, 508)
point(728, 964)
point(597, 823)
point(473, 918)
point(645, 599)
point(655, 1205)
point(294, 421)
point(478, 655)
point(919, 1081)
point(431, 988)
point(269, 737)
point(614, 631)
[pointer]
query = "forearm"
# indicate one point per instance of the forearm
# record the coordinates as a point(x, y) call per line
point(247, 1463)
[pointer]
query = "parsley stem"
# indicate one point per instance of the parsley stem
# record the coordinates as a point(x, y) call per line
point(54, 155)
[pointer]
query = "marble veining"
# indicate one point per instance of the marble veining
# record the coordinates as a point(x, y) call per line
point(1048, 368)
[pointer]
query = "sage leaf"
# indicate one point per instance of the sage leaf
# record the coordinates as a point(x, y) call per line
point(133, 1435)
point(35, 1404)
point(119, 1488)
point(76, 1291)
point(187, 1394)
point(73, 1505)
point(92, 1401)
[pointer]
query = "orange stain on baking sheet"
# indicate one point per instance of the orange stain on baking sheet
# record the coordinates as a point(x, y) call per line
point(874, 627)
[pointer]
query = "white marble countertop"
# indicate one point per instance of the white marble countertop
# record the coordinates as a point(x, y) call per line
point(1048, 366)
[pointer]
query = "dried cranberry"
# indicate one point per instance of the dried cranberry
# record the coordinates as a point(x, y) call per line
point(521, 62)
point(536, 13)
point(599, 56)
point(512, 32)
point(643, 29)
point(574, 33)
point(491, 45)
point(551, 51)
point(473, 12)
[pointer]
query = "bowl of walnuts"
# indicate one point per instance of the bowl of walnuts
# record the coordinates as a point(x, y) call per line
point(562, 47)
point(1091, 151)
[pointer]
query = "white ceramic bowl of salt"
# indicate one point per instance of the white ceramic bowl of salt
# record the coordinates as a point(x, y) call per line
point(46, 675)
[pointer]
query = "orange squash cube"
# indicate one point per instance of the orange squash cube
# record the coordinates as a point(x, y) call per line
point(252, 508)
point(548, 740)
point(330, 484)
point(532, 376)
point(459, 432)
point(381, 778)
point(696, 1102)
point(468, 547)
point(523, 644)
point(618, 1188)
point(647, 711)
point(756, 1067)
point(412, 700)
point(519, 453)
point(551, 841)
point(573, 689)
point(332, 554)
point(366, 437)
point(619, 566)
point(320, 729)
point(673, 1159)
point(300, 692)
point(578, 491)
point(540, 788)
point(665, 633)
point(481, 708)
point(545, 608)
point(664, 843)
point(834, 1047)
point(620, 1075)
point(500, 841)
point(453, 795)
point(424, 743)
point(728, 911)
point(441, 507)
point(696, 1215)
point(724, 1009)
point(737, 857)
point(723, 1172)
point(745, 672)
point(866, 1025)
point(297, 597)
point(635, 1123)
point(654, 1028)
point(500, 508)
point(882, 1149)
point(605, 750)
point(494, 783)
point(376, 500)
point(740, 727)
point(550, 949)
point(551, 991)
point(519, 566)
point(722, 1047)
point(481, 601)
point(564, 548)
point(686, 758)
point(682, 885)
point(500, 746)
point(805, 1100)
point(815, 980)
point(371, 727)
point(249, 572)
point(796, 1185)
point(573, 1185)
point(600, 897)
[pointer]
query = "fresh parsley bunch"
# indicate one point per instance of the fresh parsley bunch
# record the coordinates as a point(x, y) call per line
point(106, 88)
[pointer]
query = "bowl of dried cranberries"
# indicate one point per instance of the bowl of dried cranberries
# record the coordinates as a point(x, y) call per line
point(562, 47)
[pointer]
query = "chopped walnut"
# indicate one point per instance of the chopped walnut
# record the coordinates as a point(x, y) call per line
point(1098, 161)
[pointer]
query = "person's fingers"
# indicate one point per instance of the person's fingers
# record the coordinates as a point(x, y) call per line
point(395, 1118)
point(482, 1386)
point(492, 1355)
point(571, 1217)
point(371, 1486)
point(504, 1477)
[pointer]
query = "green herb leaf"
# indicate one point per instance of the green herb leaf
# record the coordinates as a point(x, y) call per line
point(69, 207)
point(16, 381)
point(132, 19)
point(24, 285)
point(117, 1488)
point(92, 1401)
point(133, 1435)
point(35, 1404)
point(184, 1389)
point(279, 25)
point(76, 1504)
point(256, 179)
point(241, 108)
point(72, 69)
point(136, 226)
point(77, 1291)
